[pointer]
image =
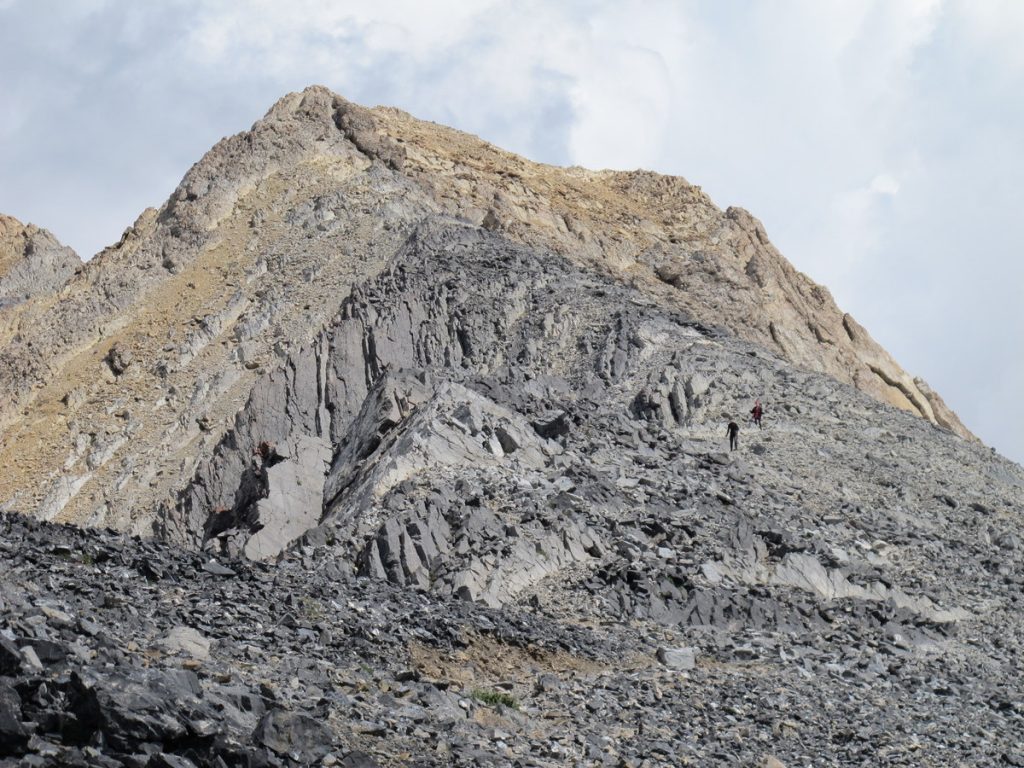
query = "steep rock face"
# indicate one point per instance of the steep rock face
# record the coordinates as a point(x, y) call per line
point(482, 434)
point(457, 301)
point(130, 383)
point(134, 375)
point(32, 262)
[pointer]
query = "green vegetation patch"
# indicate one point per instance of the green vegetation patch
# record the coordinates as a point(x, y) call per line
point(495, 698)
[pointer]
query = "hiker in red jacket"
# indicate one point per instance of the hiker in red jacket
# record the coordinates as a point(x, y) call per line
point(757, 411)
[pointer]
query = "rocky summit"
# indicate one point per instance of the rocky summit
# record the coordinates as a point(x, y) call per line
point(379, 446)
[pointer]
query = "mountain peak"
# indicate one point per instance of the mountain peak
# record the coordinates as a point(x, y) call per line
point(262, 242)
point(451, 454)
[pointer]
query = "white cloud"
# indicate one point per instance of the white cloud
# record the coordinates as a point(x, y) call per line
point(884, 184)
point(994, 29)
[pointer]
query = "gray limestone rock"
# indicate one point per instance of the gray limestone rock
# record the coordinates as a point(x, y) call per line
point(187, 641)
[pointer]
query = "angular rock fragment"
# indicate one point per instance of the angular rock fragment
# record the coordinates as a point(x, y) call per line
point(293, 734)
point(678, 658)
point(13, 734)
point(187, 641)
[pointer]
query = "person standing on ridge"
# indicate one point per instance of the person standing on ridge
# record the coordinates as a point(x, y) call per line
point(757, 411)
point(733, 431)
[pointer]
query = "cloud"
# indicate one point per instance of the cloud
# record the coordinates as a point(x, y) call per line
point(993, 30)
point(884, 184)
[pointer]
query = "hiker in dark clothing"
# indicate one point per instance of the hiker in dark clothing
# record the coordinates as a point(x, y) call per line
point(733, 431)
point(756, 412)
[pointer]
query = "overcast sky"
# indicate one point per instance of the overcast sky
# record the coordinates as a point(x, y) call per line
point(881, 143)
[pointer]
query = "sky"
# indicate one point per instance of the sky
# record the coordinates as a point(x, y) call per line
point(881, 142)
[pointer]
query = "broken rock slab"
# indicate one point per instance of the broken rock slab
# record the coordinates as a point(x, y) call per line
point(678, 658)
point(294, 498)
